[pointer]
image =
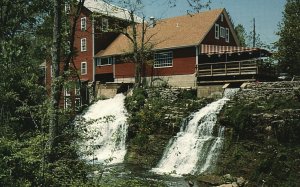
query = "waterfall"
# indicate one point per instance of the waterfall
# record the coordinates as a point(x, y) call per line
point(194, 149)
point(105, 131)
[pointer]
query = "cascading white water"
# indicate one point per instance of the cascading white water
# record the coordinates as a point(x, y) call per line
point(106, 131)
point(194, 148)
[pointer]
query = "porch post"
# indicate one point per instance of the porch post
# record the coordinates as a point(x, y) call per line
point(197, 63)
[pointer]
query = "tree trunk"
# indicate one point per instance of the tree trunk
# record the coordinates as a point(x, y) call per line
point(136, 59)
point(55, 84)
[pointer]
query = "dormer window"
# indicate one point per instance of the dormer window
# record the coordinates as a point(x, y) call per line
point(222, 17)
point(83, 23)
point(217, 31)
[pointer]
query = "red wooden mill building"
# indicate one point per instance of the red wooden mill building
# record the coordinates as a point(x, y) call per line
point(188, 51)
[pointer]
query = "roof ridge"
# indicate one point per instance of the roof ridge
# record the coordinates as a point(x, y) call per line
point(191, 15)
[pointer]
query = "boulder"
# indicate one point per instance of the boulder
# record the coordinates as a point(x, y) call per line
point(228, 178)
point(240, 181)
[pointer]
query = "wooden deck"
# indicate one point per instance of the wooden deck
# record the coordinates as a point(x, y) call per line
point(229, 72)
point(248, 67)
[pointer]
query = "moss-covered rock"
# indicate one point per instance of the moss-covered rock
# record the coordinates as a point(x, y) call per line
point(262, 135)
point(155, 115)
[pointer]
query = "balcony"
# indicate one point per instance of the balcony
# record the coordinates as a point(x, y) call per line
point(233, 71)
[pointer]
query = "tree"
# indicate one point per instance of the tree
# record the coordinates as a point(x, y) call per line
point(246, 39)
point(241, 34)
point(59, 75)
point(289, 41)
point(136, 33)
point(19, 64)
point(142, 44)
point(196, 5)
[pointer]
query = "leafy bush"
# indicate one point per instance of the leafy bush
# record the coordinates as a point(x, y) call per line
point(136, 101)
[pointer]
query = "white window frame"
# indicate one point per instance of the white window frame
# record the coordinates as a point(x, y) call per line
point(83, 68)
point(68, 102)
point(51, 71)
point(222, 32)
point(83, 24)
point(227, 35)
point(83, 45)
point(110, 61)
point(217, 28)
point(104, 24)
point(67, 91)
point(67, 8)
point(222, 17)
point(77, 89)
point(163, 59)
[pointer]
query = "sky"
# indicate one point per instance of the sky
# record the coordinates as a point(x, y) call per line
point(267, 13)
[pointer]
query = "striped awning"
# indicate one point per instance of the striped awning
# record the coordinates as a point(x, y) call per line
point(218, 49)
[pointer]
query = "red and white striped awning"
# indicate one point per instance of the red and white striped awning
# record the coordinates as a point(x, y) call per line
point(218, 49)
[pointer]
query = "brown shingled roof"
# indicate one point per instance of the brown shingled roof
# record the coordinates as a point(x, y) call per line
point(169, 33)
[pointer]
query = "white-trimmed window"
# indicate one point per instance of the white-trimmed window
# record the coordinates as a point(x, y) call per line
point(67, 94)
point(83, 44)
point(77, 89)
point(164, 59)
point(227, 35)
point(67, 91)
point(67, 8)
point(68, 102)
point(222, 32)
point(83, 68)
point(83, 23)
point(104, 24)
point(216, 31)
point(105, 61)
point(222, 17)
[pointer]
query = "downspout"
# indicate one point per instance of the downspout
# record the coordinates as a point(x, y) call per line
point(114, 68)
point(93, 38)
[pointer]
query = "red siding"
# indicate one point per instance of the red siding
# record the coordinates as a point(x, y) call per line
point(104, 69)
point(84, 56)
point(124, 70)
point(184, 62)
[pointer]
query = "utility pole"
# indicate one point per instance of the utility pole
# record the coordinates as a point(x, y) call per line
point(254, 33)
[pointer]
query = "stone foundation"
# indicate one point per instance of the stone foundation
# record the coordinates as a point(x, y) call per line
point(181, 81)
point(212, 91)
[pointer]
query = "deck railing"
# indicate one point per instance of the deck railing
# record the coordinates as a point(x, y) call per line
point(246, 67)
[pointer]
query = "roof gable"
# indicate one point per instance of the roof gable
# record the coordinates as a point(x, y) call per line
point(176, 32)
point(231, 27)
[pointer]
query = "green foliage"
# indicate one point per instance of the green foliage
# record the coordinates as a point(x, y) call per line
point(262, 139)
point(136, 101)
point(289, 41)
point(241, 34)
point(240, 114)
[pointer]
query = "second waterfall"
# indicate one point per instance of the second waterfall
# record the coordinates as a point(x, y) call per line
point(195, 149)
